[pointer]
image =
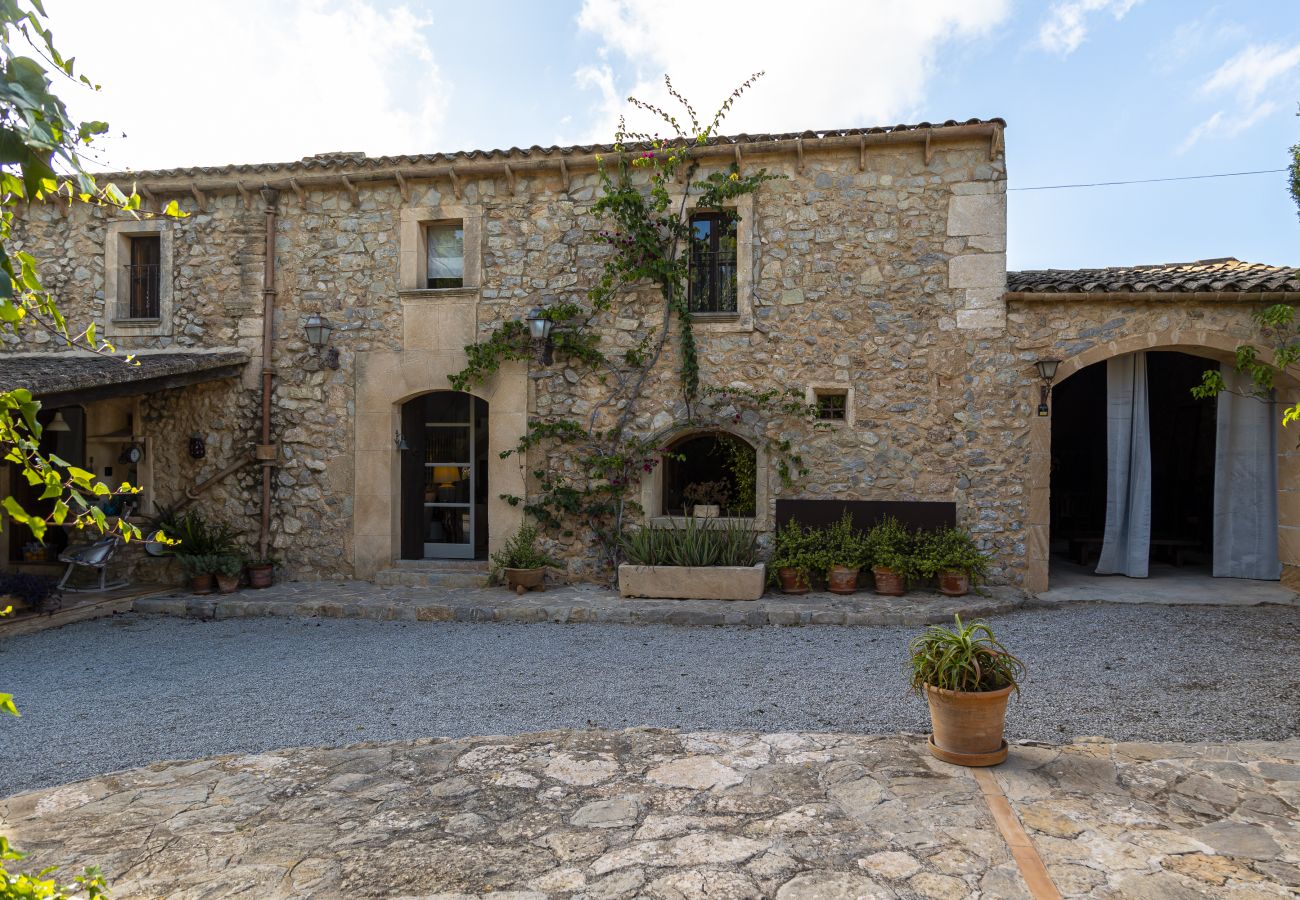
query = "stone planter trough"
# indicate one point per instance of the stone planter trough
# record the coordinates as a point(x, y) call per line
point(692, 582)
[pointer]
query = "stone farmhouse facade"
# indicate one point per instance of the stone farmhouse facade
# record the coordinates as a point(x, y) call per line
point(872, 277)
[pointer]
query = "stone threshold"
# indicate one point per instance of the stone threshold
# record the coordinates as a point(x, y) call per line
point(574, 604)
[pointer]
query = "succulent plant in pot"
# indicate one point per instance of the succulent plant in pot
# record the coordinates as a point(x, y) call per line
point(197, 569)
point(522, 562)
point(966, 676)
point(890, 546)
point(228, 571)
point(951, 556)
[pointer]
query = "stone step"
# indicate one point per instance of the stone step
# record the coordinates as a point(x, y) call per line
point(434, 576)
point(442, 565)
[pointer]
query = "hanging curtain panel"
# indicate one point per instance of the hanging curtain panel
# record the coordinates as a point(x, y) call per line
point(1126, 542)
point(1245, 483)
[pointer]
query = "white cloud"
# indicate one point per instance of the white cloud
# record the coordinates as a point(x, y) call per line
point(829, 64)
point(247, 81)
point(1066, 25)
point(1248, 78)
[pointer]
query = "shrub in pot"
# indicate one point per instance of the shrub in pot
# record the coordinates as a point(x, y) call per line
point(950, 555)
point(197, 569)
point(844, 548)
point(261, 572)
point(24, 591)
point(522, 562)
point(966, 676)
point(890, 546)
point(796, 554)
point(228, 571)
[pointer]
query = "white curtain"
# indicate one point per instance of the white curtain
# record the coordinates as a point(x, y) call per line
point(1245, 483)
point(1126, 542)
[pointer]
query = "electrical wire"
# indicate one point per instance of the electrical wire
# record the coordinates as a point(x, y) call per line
point(1057, 187)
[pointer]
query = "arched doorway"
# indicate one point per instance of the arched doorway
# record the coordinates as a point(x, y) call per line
point(444, 476)
point(1171, 492)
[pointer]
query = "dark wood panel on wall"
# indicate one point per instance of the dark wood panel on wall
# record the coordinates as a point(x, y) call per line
point(927, 514)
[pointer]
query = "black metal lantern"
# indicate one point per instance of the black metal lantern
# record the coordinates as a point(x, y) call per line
point(1047, 372)
point(539, 329)
point(318, 329)
point(198, 449)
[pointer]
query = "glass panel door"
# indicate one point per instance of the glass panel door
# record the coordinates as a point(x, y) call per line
point(448, 520)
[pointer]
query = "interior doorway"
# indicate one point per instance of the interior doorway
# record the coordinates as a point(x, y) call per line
point(445, 476)
point(1182, 466)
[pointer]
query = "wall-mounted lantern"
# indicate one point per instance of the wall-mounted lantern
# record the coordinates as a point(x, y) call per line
point(318, 330)
point(1047, 372)
point(197, 447)
point(399, 442)
point(539, 329)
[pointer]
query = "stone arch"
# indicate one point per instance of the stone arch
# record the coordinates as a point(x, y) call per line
point(652, 487)
point(1215, 345)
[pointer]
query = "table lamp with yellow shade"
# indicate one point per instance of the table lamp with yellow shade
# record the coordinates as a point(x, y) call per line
point(445, 477)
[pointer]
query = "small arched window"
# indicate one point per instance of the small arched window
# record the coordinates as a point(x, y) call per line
point(712, 468)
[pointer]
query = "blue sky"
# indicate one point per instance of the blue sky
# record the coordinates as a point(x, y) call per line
point(1092, 90)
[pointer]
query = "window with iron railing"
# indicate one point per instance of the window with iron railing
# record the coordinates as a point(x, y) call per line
point(142, 299)
point(712, 264)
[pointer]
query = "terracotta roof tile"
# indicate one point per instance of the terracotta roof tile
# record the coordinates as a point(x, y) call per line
point(1205, 275)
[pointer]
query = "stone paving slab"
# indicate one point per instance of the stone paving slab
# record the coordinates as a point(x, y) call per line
point(569, 604)
point(668, 815)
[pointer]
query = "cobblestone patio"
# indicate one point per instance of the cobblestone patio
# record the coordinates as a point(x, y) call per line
point(577, 603)
point(651, 813)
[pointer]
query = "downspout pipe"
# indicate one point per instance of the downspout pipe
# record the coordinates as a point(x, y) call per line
point(267, 453)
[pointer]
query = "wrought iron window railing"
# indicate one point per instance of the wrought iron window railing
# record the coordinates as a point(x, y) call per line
point(143, 296)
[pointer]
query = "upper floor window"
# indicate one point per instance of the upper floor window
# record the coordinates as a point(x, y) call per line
point(712, 263)
point(445, 245)
point(142, 298)
point(832, 405)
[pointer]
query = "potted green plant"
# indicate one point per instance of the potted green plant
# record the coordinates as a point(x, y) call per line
point(951, 556)
point(229, 568)
point(522, 562)
point(162, 530)
point(23, 591)
point(197, 569)
point(261, 572)
point(796, 554)
point(693, 560)
point(966, 676)
point(890, 546)
point(844, 549)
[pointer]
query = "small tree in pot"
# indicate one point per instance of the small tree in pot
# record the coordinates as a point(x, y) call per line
point(197, 569)
point(891, 547)
point(228, 571)
point(950, 555)
point(522, 562)
point(966, 676)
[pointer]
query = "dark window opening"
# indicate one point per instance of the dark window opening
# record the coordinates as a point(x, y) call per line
point(832, 407)
point(712, 263)
point(144, 278)
point(445, 259)
point(714, 469)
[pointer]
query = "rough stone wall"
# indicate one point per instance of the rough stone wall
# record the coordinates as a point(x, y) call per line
point(888, 279)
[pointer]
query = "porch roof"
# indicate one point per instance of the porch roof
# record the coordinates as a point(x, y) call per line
point(62, 378)
point(1219, 276)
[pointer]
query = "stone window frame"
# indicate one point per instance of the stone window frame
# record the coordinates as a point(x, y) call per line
point(117, 247)
point(742, 320)
point(813, 391)
point(413, 254)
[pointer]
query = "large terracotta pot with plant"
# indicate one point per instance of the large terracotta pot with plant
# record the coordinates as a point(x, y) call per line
point(197, 569)
point(795, 556)
point(891, 547)
point(521, 562)
point(844, 548)
point(966, 676)
point(261, 573)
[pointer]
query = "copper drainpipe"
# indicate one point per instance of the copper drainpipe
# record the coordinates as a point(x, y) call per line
point(266, 451)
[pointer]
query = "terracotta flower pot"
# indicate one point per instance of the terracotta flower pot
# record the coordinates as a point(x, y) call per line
point(227, 584)
point(260, 576)
point(793, 581)
point(967, 725)
point(954, 583)
point(201, 584)
point(523, 580)
point(842, 580)
point(889, 582)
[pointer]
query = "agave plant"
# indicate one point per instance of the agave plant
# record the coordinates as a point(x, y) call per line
point(966, 658)
point(693, 544)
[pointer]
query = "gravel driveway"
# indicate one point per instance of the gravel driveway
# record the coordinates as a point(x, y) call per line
point(125, 691)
